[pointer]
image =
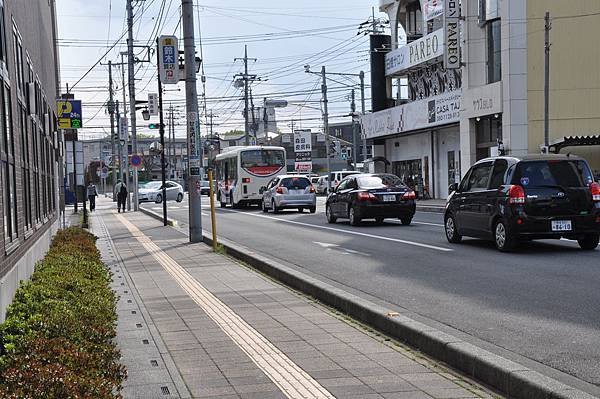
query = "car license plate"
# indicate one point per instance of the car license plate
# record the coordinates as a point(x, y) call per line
point(389, 198)
point(561, 225)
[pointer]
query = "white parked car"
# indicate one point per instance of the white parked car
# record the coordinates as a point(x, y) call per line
point(152, 191)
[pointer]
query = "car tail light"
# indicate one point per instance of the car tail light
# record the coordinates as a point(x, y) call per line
point(311, 190)
point(516, 195)
point(595, 189)
point(409, 195)
point(365, 196)
point(279, 190)
point(245, 180)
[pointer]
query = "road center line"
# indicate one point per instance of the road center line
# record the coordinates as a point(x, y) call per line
point(293, 381)
point(356, 233)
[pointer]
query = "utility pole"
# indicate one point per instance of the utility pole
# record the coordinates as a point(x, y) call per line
point(361, 76)
point(354, 130)
point(118, 139)
point(111, 111)
point(171, 140)
point(126, 144)
point(130, 63)
point(326, 126)
point(246, 78)
point(547, 27)
point(161, 127)
point(193, 134)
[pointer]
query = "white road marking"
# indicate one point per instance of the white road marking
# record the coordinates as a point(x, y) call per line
point(294, 382)
point(343, 250)
point(407, 242)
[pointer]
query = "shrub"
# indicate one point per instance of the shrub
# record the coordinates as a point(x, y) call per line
point(57, 340)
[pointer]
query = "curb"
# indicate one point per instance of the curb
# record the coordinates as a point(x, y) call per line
point(170, 222)
point(508, 377)
point(431, 208)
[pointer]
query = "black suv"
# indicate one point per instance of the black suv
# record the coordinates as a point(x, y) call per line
point(512, 199)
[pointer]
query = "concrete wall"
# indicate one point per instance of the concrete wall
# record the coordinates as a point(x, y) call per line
point(574, 72)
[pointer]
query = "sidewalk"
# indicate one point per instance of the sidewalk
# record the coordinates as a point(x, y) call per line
point(197, 324)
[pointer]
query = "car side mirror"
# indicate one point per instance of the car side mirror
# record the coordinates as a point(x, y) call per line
point(452, 188)
point(262, 190)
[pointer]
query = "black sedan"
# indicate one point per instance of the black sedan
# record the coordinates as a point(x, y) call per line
point(371, 196)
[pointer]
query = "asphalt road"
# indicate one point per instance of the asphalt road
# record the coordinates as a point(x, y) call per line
point(539, 306)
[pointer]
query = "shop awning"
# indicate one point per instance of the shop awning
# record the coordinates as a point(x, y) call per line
point(573, 141)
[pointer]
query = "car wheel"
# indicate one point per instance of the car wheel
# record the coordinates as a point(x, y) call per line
point(406, 221)
point(353, 216)
point(379, 220)
point(589, 242)
point(179, 197)
point(313, 209)
point(329, 214)
point(300, 210)
point(264, 207)
point(503, 238)
point(158, 199)
point(451, 230)
point(274, 207)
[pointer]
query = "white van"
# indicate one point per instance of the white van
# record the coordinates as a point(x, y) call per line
point(336, 177)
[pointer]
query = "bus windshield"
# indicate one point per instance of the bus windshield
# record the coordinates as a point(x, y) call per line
point(262, 162)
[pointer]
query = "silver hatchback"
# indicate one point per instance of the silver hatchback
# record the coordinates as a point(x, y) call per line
point(289, 191)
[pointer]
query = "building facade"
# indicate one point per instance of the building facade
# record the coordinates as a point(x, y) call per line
point(30, 153)
point(440, 121)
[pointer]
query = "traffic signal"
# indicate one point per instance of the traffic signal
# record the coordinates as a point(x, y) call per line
point(154, 126)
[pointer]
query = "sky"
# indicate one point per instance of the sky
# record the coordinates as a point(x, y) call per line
point(282, 35)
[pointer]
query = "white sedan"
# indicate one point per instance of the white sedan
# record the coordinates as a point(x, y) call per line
point(152, 191)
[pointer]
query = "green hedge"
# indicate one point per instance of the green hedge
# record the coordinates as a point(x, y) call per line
point(57, 340)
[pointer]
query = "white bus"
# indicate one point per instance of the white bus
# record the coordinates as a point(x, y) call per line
point(242, 171)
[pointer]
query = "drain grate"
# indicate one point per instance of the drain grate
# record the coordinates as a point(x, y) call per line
point(154, 363)
point(145, 342)
point(165, 390)
point(138, 325)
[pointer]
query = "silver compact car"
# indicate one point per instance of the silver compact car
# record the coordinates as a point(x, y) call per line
point(289, 191)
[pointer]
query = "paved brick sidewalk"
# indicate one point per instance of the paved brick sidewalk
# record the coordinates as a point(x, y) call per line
point(197, 324)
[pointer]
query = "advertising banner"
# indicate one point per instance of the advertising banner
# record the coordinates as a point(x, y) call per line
point(422, 114)
point(168, 66)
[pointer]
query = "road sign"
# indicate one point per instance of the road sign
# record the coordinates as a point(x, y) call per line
point(69, 113)
point(168, 66)
point(136, 160)
point(303, 166)
point(153, 104)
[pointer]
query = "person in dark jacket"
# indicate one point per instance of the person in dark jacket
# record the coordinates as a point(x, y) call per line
point(121, 191)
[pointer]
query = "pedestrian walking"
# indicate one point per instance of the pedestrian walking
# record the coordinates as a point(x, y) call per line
point(121, 191)
point(92, 193)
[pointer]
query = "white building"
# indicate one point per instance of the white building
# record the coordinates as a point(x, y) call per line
point(446, 119)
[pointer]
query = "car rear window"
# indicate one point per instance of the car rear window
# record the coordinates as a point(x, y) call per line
point(379, 181)
point(295, 183)
point(552, 173)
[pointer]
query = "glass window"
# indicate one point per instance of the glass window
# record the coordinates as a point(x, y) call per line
point(479, 177)
point(378, 181)
point(343, 185)
point(295, 183)
point(497, 179)
point(494, 62)
point(553, 174)
point(256, 158)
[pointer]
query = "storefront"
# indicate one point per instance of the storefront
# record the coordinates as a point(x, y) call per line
point(421, 140)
